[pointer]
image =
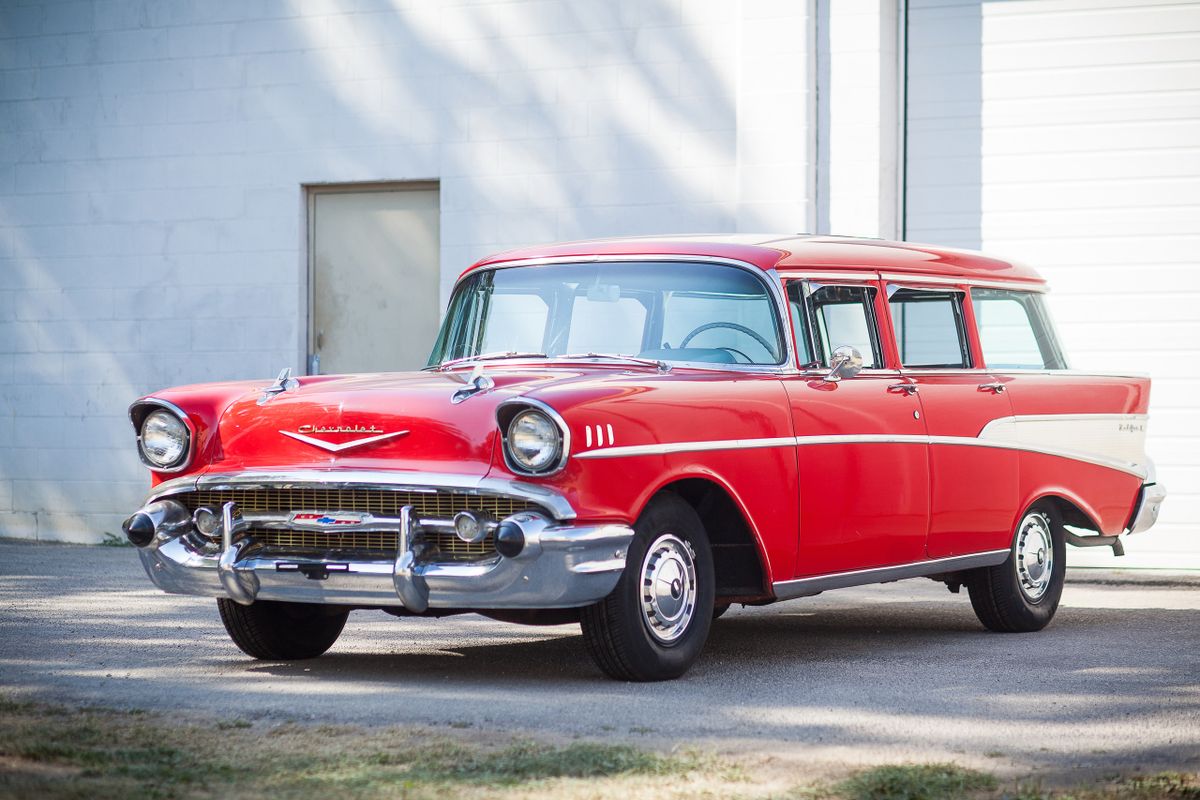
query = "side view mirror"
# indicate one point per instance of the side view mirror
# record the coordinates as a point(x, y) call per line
point(846, 363)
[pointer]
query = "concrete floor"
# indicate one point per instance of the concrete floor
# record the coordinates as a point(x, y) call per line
point(900, 672)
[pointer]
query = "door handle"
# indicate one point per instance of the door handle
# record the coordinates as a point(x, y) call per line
point(908, 389)
point(994, 388)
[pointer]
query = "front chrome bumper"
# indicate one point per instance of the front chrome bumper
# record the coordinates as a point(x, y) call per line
point(562, 564)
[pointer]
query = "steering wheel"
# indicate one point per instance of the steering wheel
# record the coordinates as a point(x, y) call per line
point(733, 326)
point(735, 351)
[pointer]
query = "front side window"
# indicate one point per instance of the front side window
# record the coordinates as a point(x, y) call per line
point(667, 311)
point(929, 328)
point(1015, 331)
point(828, 317)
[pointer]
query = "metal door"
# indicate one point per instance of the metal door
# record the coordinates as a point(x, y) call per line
point(374, 276)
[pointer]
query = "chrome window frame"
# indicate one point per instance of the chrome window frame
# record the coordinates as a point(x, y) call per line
point(857, 280)
point(769, 277)
point(960, 323)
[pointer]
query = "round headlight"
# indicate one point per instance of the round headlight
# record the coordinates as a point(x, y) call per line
point(164, 439)
point(534, 441)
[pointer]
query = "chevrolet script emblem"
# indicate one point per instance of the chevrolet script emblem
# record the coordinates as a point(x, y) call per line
point(373, 435)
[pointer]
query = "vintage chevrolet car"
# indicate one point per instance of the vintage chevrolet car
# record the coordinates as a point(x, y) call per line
point(634, 434)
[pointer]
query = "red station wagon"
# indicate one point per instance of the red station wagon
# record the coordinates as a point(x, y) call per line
point(634, 434)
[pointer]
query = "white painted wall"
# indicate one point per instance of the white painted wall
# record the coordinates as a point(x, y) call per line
point(152, 158)
point(858, 47)
point(1066, 133)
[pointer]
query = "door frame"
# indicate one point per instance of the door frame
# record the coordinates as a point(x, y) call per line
point(311, 192)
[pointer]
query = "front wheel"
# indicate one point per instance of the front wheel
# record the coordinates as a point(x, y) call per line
point(1022, 594)
point(273, 631)
point(653, 625)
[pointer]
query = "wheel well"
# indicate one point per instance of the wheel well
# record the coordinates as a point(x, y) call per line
point(1071, 514)
point(739, 570)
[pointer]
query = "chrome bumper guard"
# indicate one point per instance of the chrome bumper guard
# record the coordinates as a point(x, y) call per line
point(561, 565)
point(1148, 505)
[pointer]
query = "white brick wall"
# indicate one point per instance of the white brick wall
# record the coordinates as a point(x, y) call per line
point(152, 156)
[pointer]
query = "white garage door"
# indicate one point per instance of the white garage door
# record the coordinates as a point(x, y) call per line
point(1066, 133)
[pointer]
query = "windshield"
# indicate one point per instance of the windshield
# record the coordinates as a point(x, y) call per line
point(662, 311)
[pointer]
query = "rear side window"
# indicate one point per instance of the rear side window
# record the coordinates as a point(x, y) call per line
point(829, 317)
point(1015, 331)
point(929, 328)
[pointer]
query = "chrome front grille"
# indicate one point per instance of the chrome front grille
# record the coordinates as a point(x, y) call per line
point(441, 505)
point(380, 502)
point(444, 542)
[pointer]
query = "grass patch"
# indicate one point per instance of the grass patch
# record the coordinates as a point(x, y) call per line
point(915, 782)
point(529, 761)
point(48, 752)
point(113, 540)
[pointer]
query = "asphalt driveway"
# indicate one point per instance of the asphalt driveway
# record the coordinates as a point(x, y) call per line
point(901, 672)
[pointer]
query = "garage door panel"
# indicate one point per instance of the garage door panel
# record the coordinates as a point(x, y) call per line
point(1129, 193)
point(1009, 22)
point(1109, 51)
point(1098, 165)
point(1089, 109)
point(1100, 79)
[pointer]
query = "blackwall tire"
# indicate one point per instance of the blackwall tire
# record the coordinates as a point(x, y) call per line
point(272, 631)
point(1022, 594)
point(653, 625)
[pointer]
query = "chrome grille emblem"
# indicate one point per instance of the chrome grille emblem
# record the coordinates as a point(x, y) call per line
point(374, 435)
point(317, 520)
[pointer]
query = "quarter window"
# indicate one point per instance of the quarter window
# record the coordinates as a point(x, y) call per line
point(829, 317)
point(1015, 331)
point(929, 328)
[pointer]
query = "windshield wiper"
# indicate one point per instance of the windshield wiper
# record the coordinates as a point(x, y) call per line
point(661, 366)
point(497, 356)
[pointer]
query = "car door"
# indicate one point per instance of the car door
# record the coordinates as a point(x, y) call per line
point(973, 489)
point(862, 457)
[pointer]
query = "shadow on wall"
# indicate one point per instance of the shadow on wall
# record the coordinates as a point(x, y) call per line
point(166, 251)
point(944, 132)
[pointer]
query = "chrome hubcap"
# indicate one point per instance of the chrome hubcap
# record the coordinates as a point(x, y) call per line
point(668, 583)
point(1034, 556)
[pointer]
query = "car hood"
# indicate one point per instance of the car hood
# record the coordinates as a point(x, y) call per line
point(376, 421)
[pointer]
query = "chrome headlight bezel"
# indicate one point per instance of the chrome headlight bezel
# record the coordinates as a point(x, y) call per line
point(141, 411)
point(509, 413)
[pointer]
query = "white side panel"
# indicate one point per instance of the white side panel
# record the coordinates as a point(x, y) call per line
point(1119, 438)
point(1066, 133)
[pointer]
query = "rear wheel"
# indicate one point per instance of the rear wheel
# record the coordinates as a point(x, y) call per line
point(1022, 594)
point(273, 631)
point(653, 625)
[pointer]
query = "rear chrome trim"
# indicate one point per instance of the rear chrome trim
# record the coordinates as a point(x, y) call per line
point(805, 587)
point(431, 482)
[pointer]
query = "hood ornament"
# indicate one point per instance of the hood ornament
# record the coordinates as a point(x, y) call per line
point(284, 383)
point(478, 382)
point(376, 435)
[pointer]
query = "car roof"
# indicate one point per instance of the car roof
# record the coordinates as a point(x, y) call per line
point(791, 252)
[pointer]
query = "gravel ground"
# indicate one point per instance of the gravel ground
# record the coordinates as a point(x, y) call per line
point(899, 672)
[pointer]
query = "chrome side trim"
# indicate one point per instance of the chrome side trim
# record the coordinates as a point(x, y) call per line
point(858, 438)
point(805, 587)
point(687, 447)
point(183, 417)
point(552, 501)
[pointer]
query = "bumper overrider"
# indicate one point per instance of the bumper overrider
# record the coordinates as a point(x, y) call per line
point(543, 558)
